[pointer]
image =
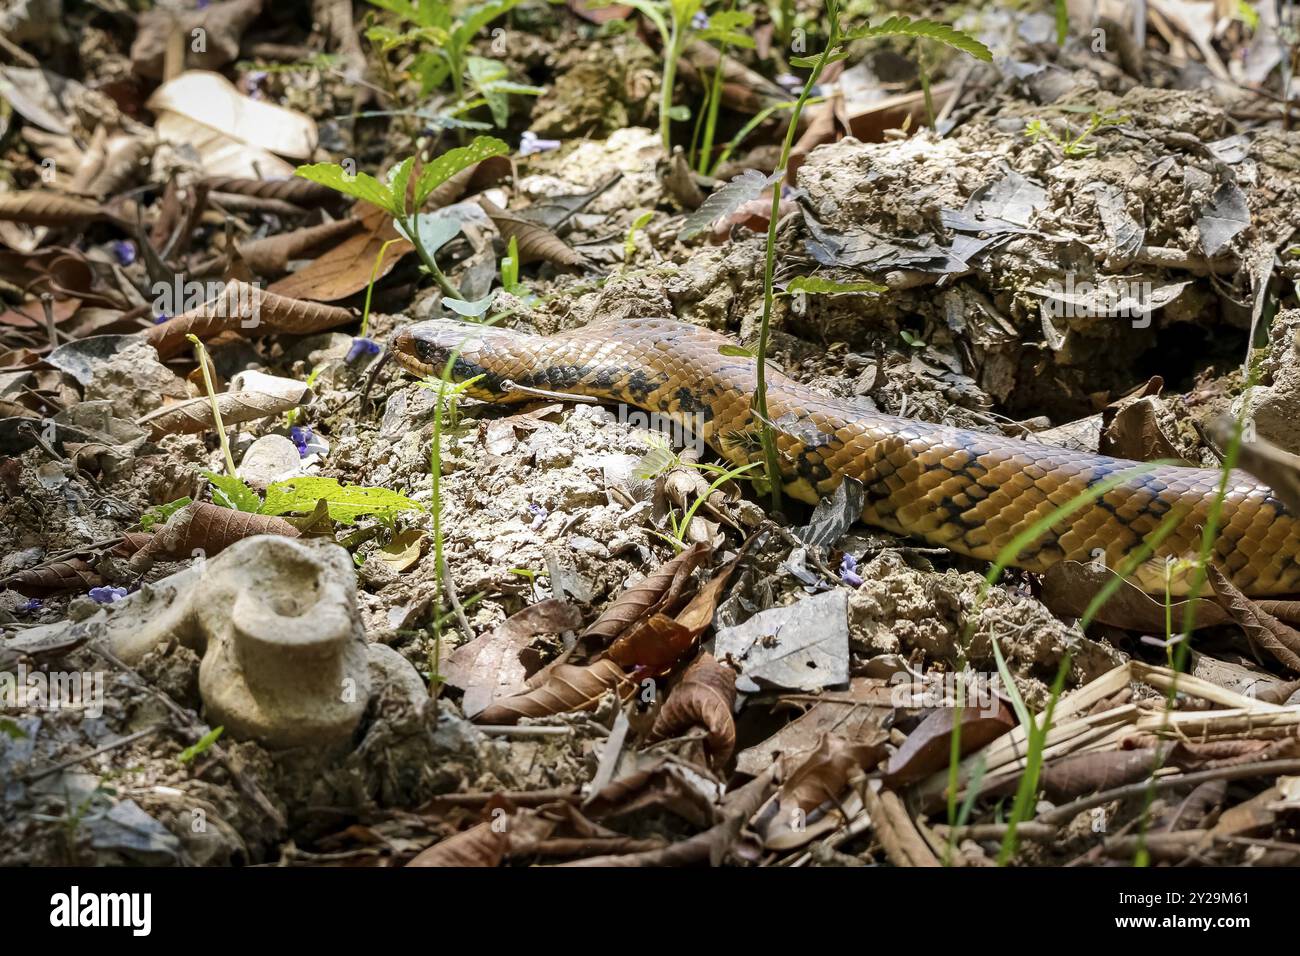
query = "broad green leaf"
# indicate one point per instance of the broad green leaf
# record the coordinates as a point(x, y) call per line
point(11, 729)
point(398, 181)
point(485, 73)
point(436, 173)
point(470, 309)
point(927, 29)
point(346, 503)
point(435, 229)
point(359, 185)
point(815, 285)
point(479, 16)
point(231, 492)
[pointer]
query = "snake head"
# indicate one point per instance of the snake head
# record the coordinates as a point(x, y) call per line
point(475, 351)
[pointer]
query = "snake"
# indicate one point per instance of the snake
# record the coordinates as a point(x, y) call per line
point(971, 492)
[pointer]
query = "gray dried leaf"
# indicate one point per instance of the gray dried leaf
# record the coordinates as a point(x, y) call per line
point(802, 646)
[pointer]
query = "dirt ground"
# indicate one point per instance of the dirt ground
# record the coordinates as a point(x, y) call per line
point(803, 713)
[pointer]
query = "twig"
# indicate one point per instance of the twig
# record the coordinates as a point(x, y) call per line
point(112, 745)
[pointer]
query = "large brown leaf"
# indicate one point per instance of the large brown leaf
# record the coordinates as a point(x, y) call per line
point(929, 747)
point(347, 267)
point(566, 689)
point(819, 780)
point(704, 697)
point(489, 667)
point(656, 593)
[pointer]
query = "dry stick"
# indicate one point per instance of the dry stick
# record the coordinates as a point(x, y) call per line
point(1240, 772)
point(454, 600)
point(47, 305)
point(112, 745)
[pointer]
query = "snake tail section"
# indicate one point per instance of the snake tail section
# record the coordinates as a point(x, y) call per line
point(967, 491)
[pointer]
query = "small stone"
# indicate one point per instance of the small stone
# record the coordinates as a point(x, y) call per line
point(270, 459)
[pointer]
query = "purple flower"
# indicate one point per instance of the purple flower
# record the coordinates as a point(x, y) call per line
point(700, 21)
point(301, 435)
point(107, 595)
point(529, 144)
point(30, 606)
point(255, 80)
point(361, 346)
point(539, 516)
point(849, 571)
point(124, 249)
point(789, 81)
point(160, 318)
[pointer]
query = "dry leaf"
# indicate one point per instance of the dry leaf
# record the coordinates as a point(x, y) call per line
point(222, 23)
point(929, 747)
point(704, 697)
point(488, 667)
point(347, 267)
point(656, 593)
point(567, 688)
point(819, 779)
point(209, 528)
point(535, 242)
point(1261, 627)
point(403, 551)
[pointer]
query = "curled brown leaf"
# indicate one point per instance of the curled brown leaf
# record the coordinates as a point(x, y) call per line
point(1261, 627)
point(704, 697)
point(656, 593)
point(195, 415)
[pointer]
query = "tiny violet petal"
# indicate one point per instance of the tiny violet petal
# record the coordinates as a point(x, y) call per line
point(529, 143)
point(361, 346)
point(539, 514)
point(849, 571)
point(124, 250)
point(160, 318)
point(789, 81)
point(107, 595)
point(301, 435)
point(700, 21)
point(30, 606)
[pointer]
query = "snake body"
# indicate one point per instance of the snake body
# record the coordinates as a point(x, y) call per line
point(967, 491)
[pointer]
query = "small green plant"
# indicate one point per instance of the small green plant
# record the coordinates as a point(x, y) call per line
point(205, 365)
point(201, 746)
point(403, 199)
point(442, 34)
point(1075, 147)
point(629, 241)
point(160, 513)
point(894, 26)
point(679, 22)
